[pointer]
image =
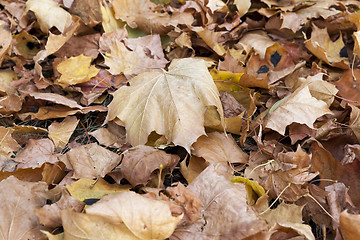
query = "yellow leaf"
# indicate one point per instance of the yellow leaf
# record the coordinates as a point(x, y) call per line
point(86, 188)
point(49, 14)
point(170, 103)
point(255, 186)
point(76, 70)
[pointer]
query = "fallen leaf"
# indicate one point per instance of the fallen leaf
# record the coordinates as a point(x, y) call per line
point(63, 111)
point(193, 169)
point(6, 40)
point(18, 220)
point(36, 153)
point(49, 14)
point(146, 218)
point(90, 161)
point(299, 107)
point(330, 52)
point(242, 6)
point(187, 200)
point(137, 59)
point(78, 226)
point(113, 136)
point(139, 163)
point(60, 132)
point(349, 225)
point(85, 188)
point(225, 211)
point(289, 216)
point(349, 86)
point(7, 76)
point(76, 70)
point(354, 122)
point(186, 88)
point(219, 148)
point(49, 215)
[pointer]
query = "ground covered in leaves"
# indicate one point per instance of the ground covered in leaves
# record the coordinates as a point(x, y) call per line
point(183, 119)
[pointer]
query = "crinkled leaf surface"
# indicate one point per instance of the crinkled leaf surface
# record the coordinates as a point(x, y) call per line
point(17, 218)
point(299, 107)
point(170, 103)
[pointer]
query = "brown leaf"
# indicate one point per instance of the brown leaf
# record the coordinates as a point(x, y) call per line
point(112, 136)
point(36, 153)
point(18, 220)
point(349, 225)
point(90, 161)
point(219, 148)
point(139, 162)
point(349, 87)
point(188, 201)
point(225, 211)
point(321, 46)
point(193, 169)
point(49, 215)
point(62, 111)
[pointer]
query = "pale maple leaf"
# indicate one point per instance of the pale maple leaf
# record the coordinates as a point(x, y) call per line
point(299, 107)
point(170, 103)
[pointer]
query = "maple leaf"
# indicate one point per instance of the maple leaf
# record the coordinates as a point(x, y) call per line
point(299, 107)
point(170, 103)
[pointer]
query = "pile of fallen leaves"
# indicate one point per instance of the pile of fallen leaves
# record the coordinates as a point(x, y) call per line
point(183, 119)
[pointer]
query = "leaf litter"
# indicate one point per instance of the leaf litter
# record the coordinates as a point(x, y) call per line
point(179, 119)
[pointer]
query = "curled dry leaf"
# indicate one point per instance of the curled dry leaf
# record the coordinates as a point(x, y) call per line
point(36, 153)
point(146, 218)
point(17, 218)
point(60, 132)
point(194, 168)
point(112, 136)
point(225, 211)
point(288, 216)
point(219, 148)
point(330, 52)
point(49, 14)
point(90, 161)
point(299, 107)
point(139, 162)
point(170, 103)
point(49, 215)
point(349, 225)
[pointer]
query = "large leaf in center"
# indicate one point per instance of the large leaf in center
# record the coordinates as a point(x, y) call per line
point(171, 103)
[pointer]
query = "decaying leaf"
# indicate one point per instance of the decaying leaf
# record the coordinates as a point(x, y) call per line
point(299, 107)
point(36, 153)
point(60, 133)
point(90, 161)
point(18, 220)
point(186, 89)
point(139, 162)
point(225, 211)
point(219, 148)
